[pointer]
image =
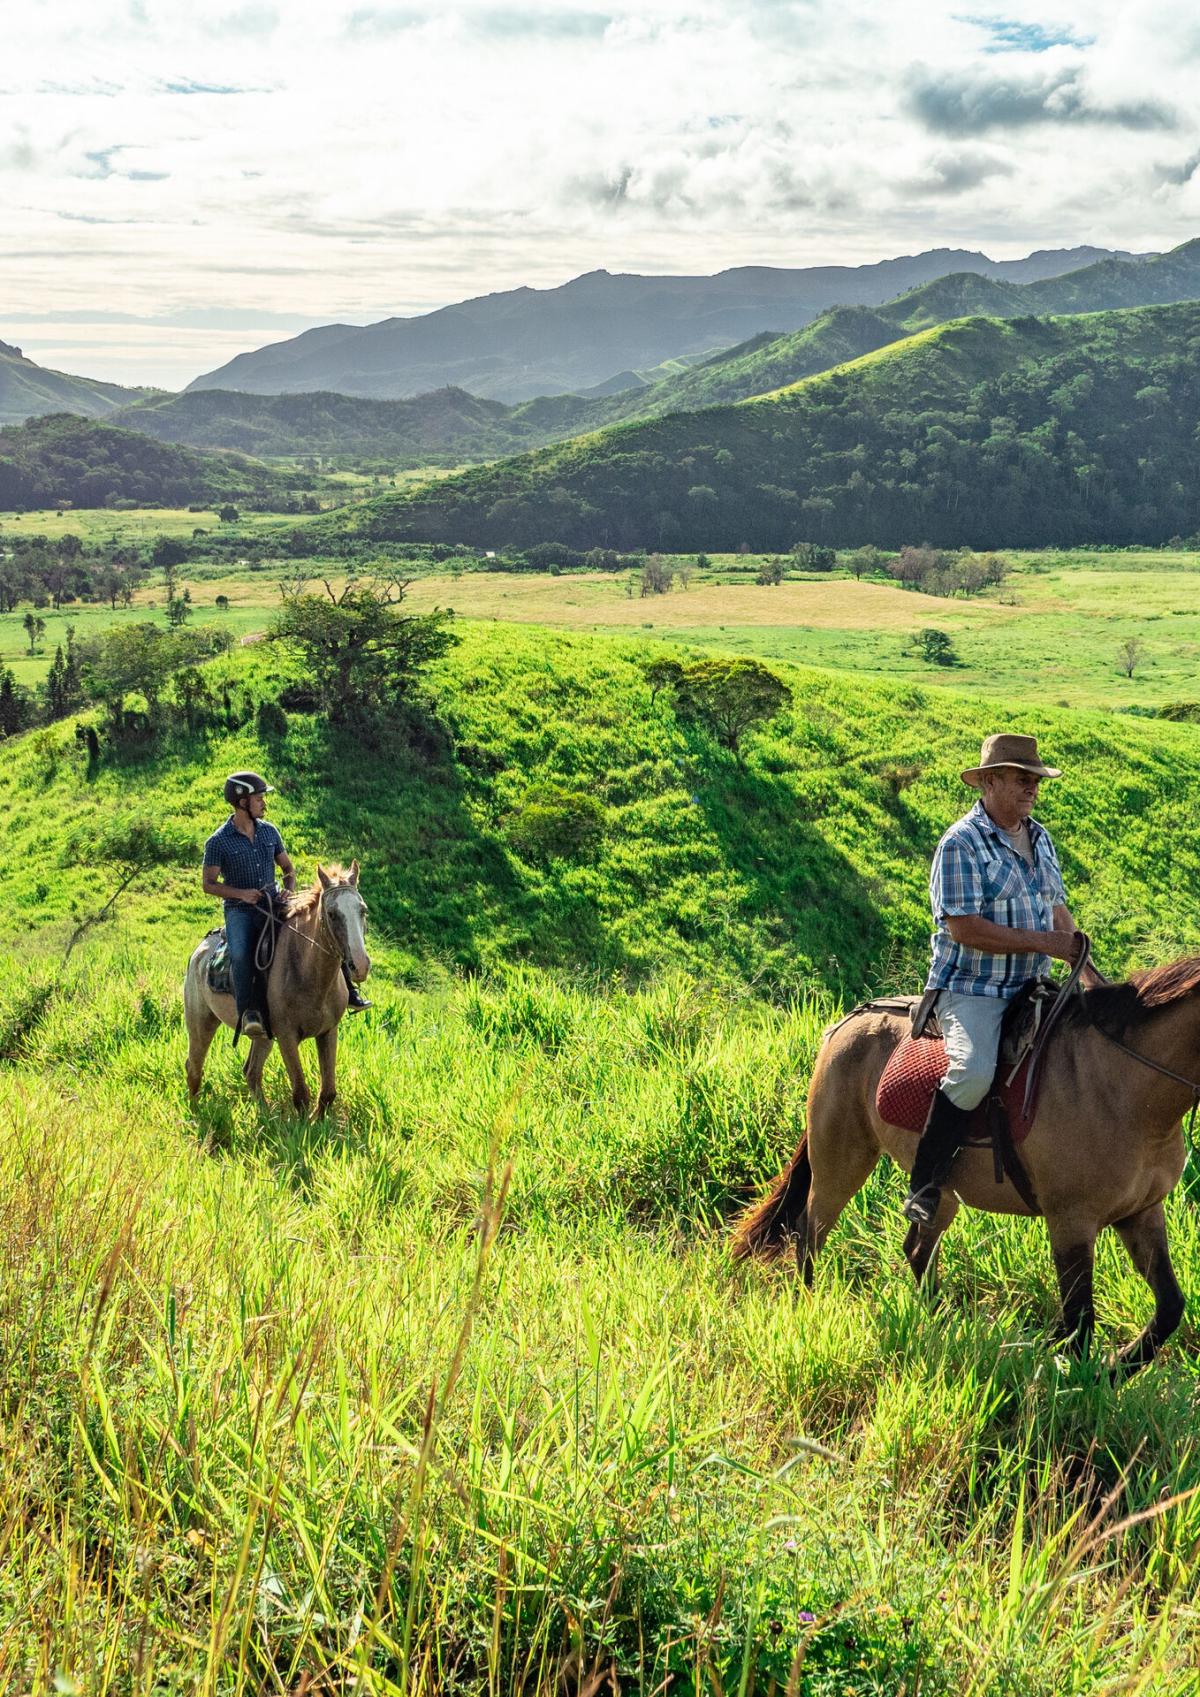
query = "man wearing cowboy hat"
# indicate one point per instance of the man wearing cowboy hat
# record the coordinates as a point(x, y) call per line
point(1001, 916)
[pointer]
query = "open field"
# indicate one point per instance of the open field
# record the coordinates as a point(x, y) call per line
point(1052, 634)
point(280, 1412)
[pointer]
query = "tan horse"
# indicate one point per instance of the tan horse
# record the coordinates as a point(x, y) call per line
point(306, 993)
point(1105, 1148)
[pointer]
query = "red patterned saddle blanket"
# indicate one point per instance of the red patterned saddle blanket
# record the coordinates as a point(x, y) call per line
point(917, 1066)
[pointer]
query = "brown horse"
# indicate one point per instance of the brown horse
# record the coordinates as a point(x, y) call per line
point(1105, 1148)
point(306, 993)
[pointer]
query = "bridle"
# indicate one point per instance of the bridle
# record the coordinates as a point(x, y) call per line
point(264, 952)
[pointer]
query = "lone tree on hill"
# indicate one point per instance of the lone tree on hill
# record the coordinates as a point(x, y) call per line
point(935, 647)
point(726, 697)
point(362, 655)
point(656, 576)
point(1130, 655)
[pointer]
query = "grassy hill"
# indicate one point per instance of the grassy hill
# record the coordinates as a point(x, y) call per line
point(1030, 432)
point(804, 866)
point(28, 390)
point(65, 458)
point(283, 1411)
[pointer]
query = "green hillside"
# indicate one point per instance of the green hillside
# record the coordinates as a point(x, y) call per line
point(65, 458)
point(1027, 432)
point(28, 390)
point(458, 1391)
point(806, 865)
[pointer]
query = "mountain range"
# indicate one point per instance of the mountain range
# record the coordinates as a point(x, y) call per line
point(451, 427)
point(522, 343)
point(982, 431)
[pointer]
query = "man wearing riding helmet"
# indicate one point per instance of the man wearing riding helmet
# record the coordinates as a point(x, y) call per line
point(239, 866)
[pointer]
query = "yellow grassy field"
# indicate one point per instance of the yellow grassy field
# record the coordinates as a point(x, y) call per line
point(600, 598)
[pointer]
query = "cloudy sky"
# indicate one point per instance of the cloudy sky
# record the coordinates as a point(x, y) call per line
point(180, 181)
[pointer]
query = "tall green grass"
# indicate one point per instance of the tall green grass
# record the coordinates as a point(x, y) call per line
point(460, 1391)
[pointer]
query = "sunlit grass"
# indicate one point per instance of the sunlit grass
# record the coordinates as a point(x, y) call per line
point(461, 1391)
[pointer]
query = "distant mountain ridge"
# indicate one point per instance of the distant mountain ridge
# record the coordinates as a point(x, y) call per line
point(450, 427)
point(522, 343)
point(28, 390)
point(1029, 431)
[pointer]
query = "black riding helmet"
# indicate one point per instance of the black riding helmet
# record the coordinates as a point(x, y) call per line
point(238, 785)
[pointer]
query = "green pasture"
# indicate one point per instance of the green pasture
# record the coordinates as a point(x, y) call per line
point(460, 1390)
point(96, 525)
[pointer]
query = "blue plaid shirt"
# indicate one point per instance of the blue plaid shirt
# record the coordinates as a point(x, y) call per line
point(248, 863)
point(977, 870)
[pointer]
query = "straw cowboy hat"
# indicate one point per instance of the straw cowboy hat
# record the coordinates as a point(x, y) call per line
point(1007, 750)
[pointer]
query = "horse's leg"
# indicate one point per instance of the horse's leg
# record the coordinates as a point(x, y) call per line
point(843, 1156)
point(1073, 1241)
point(1145, 1237)
point(201, 1029)
point(921, 1243)
point(289, 1048)
point(255, 1061)
point(327, 1057)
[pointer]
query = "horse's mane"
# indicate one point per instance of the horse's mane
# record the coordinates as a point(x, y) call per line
point(1118, 1006)
point(303, 901)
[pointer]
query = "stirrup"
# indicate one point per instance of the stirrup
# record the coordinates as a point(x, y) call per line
point(252, 1024)
point(920, 1206)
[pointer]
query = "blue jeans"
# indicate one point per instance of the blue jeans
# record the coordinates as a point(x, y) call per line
point(243, 925)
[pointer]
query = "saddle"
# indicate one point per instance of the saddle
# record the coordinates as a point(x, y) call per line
point(1003, 1119)
point(218, 972)
point(918, 1064)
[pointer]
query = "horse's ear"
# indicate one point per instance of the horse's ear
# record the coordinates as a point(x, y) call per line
point(354, 873)
point(326, 880)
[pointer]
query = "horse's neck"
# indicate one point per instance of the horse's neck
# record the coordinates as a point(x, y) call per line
point(309, 938)
point(1169, 1036)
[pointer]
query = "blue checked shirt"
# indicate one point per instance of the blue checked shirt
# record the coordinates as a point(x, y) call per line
point(246, 863)
point(977, 870)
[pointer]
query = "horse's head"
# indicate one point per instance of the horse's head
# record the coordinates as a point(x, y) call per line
point(345, 913)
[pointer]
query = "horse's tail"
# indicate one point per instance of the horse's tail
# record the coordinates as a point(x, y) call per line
point(765, 1228)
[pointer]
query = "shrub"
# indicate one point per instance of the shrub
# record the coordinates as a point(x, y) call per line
point(555, 823)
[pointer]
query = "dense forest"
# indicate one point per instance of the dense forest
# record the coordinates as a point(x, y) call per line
point(1026, 432)
point(61, 458)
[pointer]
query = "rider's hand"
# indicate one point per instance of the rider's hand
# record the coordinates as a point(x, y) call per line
point(1065, 945)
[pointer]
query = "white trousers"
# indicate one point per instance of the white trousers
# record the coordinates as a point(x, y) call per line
point(971, 1027)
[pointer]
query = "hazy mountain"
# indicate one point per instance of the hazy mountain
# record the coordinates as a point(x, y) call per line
point(528, 342)
point(988, 432)
point(28, 391)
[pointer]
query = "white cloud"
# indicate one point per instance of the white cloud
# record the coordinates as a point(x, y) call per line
point(350, 159)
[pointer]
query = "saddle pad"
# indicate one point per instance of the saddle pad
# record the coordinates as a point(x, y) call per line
point(220, 974)
point(914, 1070)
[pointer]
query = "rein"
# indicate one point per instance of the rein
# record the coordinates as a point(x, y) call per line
point(264, 952)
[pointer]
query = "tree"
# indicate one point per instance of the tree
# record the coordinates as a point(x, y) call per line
point(35, 629)
point(813, 557)
point(228, 514)
point(179, 610)
point(865, 562)
point(935, 648)
point(14, 705)
point(656, 576)
point(361, 654)
point(1130, 654)
point(770, 572)
point(727, 697)
point(142, 659)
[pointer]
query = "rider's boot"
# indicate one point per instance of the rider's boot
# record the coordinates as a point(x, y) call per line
point(252, 1023)
point(944, 1135)
point(357, 1003)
